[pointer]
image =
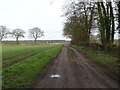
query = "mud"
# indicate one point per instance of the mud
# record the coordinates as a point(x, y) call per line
point(80, 72)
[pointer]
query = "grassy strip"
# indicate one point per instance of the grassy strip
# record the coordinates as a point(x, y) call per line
point(70, 54)
point(107, 61)
point(22, 74)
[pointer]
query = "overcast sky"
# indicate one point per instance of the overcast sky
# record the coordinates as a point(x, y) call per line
point(27, 14)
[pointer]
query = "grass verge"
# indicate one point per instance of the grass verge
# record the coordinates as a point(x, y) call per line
point(106, 61)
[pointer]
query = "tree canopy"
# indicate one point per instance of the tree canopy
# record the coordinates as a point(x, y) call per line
point(82, 18)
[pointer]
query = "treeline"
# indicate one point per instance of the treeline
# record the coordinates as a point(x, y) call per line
point(84, 19)
point(34, 33)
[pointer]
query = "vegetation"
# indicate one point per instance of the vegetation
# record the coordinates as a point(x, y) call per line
point(118, 13)
point(84, 19)
point(105, 60)
point(36, 33)
point(10, 51)
point(22, 63)
point(21, 74)
point(92, 27)
point(3, 32)
point(71, 55)
point(79, 21)
point(17, 33)
point(106, 23)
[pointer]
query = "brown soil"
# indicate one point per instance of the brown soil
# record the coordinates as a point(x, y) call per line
point(79, 72)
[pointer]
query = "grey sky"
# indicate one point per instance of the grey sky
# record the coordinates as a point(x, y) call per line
point(27, 14)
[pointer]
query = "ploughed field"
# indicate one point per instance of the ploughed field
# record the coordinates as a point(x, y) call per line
point(21, 64)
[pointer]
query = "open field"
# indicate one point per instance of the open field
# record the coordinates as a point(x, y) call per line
point(21, 64)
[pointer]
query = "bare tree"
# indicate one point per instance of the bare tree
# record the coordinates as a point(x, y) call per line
point(36, 33)
point(3, 32)
point(18, 33)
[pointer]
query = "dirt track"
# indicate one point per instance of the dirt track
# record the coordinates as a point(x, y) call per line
point(77, 73)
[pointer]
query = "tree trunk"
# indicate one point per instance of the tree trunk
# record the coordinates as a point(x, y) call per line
point(118, 14)
point(107, 19)
point(0, 41)
point(119, 33)
point(35, 40)
point(101, 25)
point(17, 40)
point(113, 24)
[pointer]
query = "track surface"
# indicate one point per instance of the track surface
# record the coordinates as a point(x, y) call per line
point(77, 72)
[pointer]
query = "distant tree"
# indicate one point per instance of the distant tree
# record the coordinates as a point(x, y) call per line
point(3, 32)
point(17, 33)
point(36, 33)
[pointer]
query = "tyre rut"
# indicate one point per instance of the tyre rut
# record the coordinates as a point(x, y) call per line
point(76, 72)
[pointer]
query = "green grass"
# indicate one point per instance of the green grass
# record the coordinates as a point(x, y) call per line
point(15, 50)
point(105, 60)
point(71, 54)
point(20, 53)
point(23, 73)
